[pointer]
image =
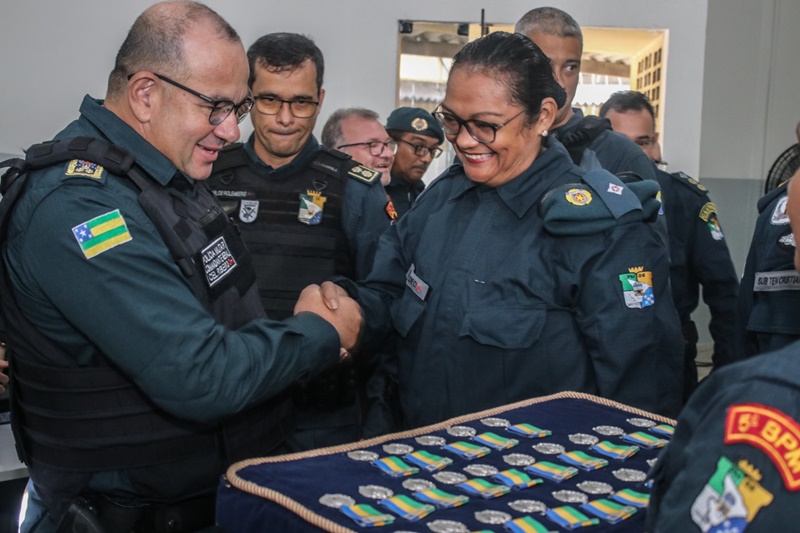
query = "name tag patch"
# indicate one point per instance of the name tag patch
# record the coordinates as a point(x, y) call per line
point(416, 284)
point(781, 280)
point(218, 261)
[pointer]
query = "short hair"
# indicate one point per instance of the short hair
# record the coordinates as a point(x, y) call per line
point(281, 52)
point(516, 62)
point(156, 40)
point(332, 130)
point(550, 21)
point(623, 101)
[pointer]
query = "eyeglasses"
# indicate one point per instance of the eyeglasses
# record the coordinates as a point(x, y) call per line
point(375, 147)
point(483, 132)
point(271, 105)
point(220, 109)
point(422, 151)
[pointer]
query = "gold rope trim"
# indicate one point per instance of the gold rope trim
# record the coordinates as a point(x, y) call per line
point(313, 518)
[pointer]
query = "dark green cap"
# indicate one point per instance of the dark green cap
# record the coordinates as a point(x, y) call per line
point(415, 120)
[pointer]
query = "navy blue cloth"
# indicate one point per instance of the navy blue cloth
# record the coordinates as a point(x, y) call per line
point(769, 298)
point(305, 479)
point(768, 383)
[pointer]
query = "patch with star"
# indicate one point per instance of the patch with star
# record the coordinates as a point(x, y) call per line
point(311, 206)
point(708, 214)
point(86, 169)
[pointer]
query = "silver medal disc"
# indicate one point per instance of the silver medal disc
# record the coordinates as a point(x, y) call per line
point(570, 496)
point(480, 470)
point(447, 526)
point(336, 500)
point(518, 459)
point(528, 506)
point(609, 431)
point(548, 448)
point(461, 431)
point(395, 448)
point(449, 478)
point(595, 487)
point(431, 440)
point(583, 439)
point(362, 455)
point(418, 485)
point(641, 422)
point(492, 517)
point(628, 474)
point(376, 492)
point(496, 422)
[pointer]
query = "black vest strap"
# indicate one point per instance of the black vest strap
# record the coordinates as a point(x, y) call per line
point(581, 137)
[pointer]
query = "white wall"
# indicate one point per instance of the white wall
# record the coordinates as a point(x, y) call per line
point(53, 52)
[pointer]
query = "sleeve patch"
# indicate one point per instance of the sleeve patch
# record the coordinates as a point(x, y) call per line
point(101, 233)
point(637, 288)
point(771, 431)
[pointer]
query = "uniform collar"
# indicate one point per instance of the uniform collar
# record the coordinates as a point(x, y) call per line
point(119, 133)
point(522, 192)
point(301, 161)
point(573, 122)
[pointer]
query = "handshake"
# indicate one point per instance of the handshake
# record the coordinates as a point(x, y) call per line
point(332, 303)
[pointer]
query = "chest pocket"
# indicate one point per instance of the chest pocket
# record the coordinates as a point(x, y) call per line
point(406, 312)
point(511, 327)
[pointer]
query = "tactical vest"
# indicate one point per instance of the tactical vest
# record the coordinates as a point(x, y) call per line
point(291, 224)
point(79, 420)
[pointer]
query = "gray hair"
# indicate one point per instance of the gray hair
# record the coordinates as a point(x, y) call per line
point(550, 21)
point(332, 131)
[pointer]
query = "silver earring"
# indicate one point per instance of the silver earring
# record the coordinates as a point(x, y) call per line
point(544, 133)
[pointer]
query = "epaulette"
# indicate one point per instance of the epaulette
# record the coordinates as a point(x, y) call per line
point(330, 161)
point(691, 183)
point(232, 156)
point(598, 203)
point(362, 173)
point(770, 197)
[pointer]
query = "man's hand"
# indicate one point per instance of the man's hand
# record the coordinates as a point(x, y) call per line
point(341, 311)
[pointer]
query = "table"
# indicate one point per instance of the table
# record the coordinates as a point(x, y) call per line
point(301, 492)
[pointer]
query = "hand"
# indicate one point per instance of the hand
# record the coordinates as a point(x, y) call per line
point(331, 293)
point(3, 365)
point(345, 315)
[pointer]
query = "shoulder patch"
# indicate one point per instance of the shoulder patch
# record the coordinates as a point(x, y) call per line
point(365, 174)
point(708, 214)
point(328, 162)
point(84, 169)
point(101, 233)
point(618, 197)
point(771, 431)
point(779, 216)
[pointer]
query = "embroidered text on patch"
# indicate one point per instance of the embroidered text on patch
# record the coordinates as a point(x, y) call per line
point(101, 233)
point(771, 431)
point(218, 261)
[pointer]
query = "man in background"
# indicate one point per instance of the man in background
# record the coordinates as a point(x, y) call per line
point(306, 212)
point(419, 139)
point(698, 252)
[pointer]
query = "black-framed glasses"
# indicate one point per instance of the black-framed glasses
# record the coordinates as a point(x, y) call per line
point(220, 109)
point(375, 147)
point(421, 150)
point(482, 131)
point(300, 108)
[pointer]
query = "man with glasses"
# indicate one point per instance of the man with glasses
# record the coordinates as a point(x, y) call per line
point(589, 140)
point(698, 252)
point(306, 212)
point(143, 364)
point(418, 138)
point(358, 132)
